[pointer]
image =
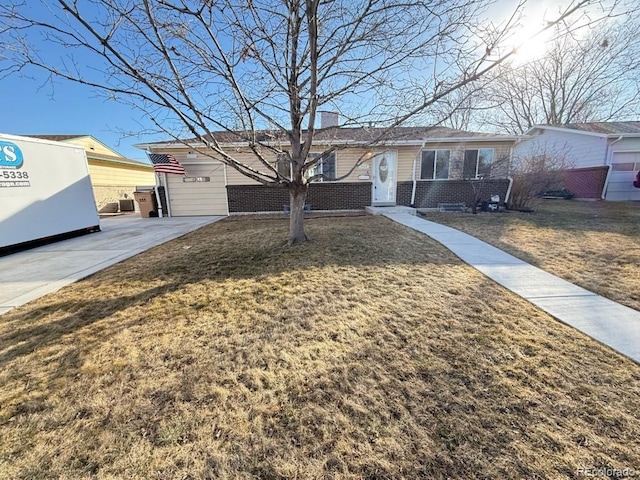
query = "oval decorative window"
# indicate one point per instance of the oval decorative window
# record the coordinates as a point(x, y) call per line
point(383, 170)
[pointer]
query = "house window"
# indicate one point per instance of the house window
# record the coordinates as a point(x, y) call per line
point(435, 164)
point(477, 163)
point(283, 165)
point(326, 166)
point(624, 167)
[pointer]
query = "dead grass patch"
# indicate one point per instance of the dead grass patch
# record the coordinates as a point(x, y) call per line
point(593, 244)
point(370, 352)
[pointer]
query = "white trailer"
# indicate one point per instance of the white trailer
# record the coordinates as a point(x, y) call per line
point(45, 192)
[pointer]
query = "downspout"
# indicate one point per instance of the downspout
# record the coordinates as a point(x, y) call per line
point(506, 197)
point(609, 158)
point(413, 176)
point(509, 177)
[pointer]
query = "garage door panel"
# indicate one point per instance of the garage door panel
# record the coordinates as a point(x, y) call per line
point(625, 168)
point(198, 198)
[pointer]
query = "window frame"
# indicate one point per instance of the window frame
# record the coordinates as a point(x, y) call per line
point(312, 172)
point(477, 161)
point(280, 158)
point(435, 163)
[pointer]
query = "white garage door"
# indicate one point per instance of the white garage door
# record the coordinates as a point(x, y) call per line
point(201, 192)
point(624, 168)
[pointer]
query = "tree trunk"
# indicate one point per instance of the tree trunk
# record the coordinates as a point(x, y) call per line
point(297, 198)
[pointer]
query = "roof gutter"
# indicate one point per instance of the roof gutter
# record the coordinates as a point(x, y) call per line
point(363, 143)
point(609, 160)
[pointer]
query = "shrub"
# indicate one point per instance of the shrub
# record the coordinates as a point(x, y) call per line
point(535, 173)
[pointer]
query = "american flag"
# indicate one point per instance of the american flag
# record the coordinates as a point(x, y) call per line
point(166, 164)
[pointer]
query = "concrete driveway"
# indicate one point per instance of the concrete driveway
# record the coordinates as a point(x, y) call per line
point(28, 275)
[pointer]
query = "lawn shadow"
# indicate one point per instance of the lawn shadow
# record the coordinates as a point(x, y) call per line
point(247, 249)
point(26, 335)
point(232, 250)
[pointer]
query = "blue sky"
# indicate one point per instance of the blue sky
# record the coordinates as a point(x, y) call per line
point(33, 106)
point(68, 108)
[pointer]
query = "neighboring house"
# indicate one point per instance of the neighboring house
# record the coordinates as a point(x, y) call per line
point(605, 156)
point(424, 167)
point(113, 177)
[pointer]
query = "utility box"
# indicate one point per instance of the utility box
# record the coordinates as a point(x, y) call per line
point(147, 203)
point(126, 205)
point(45, 192)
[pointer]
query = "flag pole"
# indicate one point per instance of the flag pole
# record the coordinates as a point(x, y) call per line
point(155, 189)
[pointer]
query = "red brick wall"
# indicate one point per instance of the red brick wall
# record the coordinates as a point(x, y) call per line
point(586, 182)
point(357, 195)
point(321, 196)
point(430, 193)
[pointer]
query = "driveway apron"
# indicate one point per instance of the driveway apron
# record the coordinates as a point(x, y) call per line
point(27, 275)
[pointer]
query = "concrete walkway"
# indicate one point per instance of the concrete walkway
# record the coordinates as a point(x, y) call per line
point(602, 319)
point(30, 274)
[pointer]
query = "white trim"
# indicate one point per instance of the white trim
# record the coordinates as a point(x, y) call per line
point(630, 150)
point(608, 161)
point(581, 132)
point(565, 130)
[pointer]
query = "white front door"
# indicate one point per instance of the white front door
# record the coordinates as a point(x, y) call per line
point(384, 178)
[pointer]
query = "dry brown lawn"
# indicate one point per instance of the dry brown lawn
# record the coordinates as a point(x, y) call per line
point(593, 244)
point(369, 353)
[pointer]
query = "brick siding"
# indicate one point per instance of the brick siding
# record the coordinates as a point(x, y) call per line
point(321, 196)
point(586, 182)
point(430, 193)
point(356, 196)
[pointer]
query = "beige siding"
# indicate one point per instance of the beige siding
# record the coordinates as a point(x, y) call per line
point(345, 159)
point(90, 144)
point(106, 174)
point(406, 157)
point(115, 182)
point(198, 198)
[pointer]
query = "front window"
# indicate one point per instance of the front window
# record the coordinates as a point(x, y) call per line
point(435, 164)
point(325, 166)
point(477, 163)
point(283, 165)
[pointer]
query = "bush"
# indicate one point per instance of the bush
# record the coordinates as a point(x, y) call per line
point(535, 173)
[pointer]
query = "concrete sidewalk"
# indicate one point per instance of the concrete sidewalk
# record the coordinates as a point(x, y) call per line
point(30, 274)
point(602, 319)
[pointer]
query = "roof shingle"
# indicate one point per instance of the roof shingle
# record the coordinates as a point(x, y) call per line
point(346, 135)
point(608, 128)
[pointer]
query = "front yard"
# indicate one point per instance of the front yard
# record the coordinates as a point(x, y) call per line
point(593, 244)
point(371, 352)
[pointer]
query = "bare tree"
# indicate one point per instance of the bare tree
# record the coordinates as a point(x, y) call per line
point(580, 79)
point(541, 168)
point(260, 70)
